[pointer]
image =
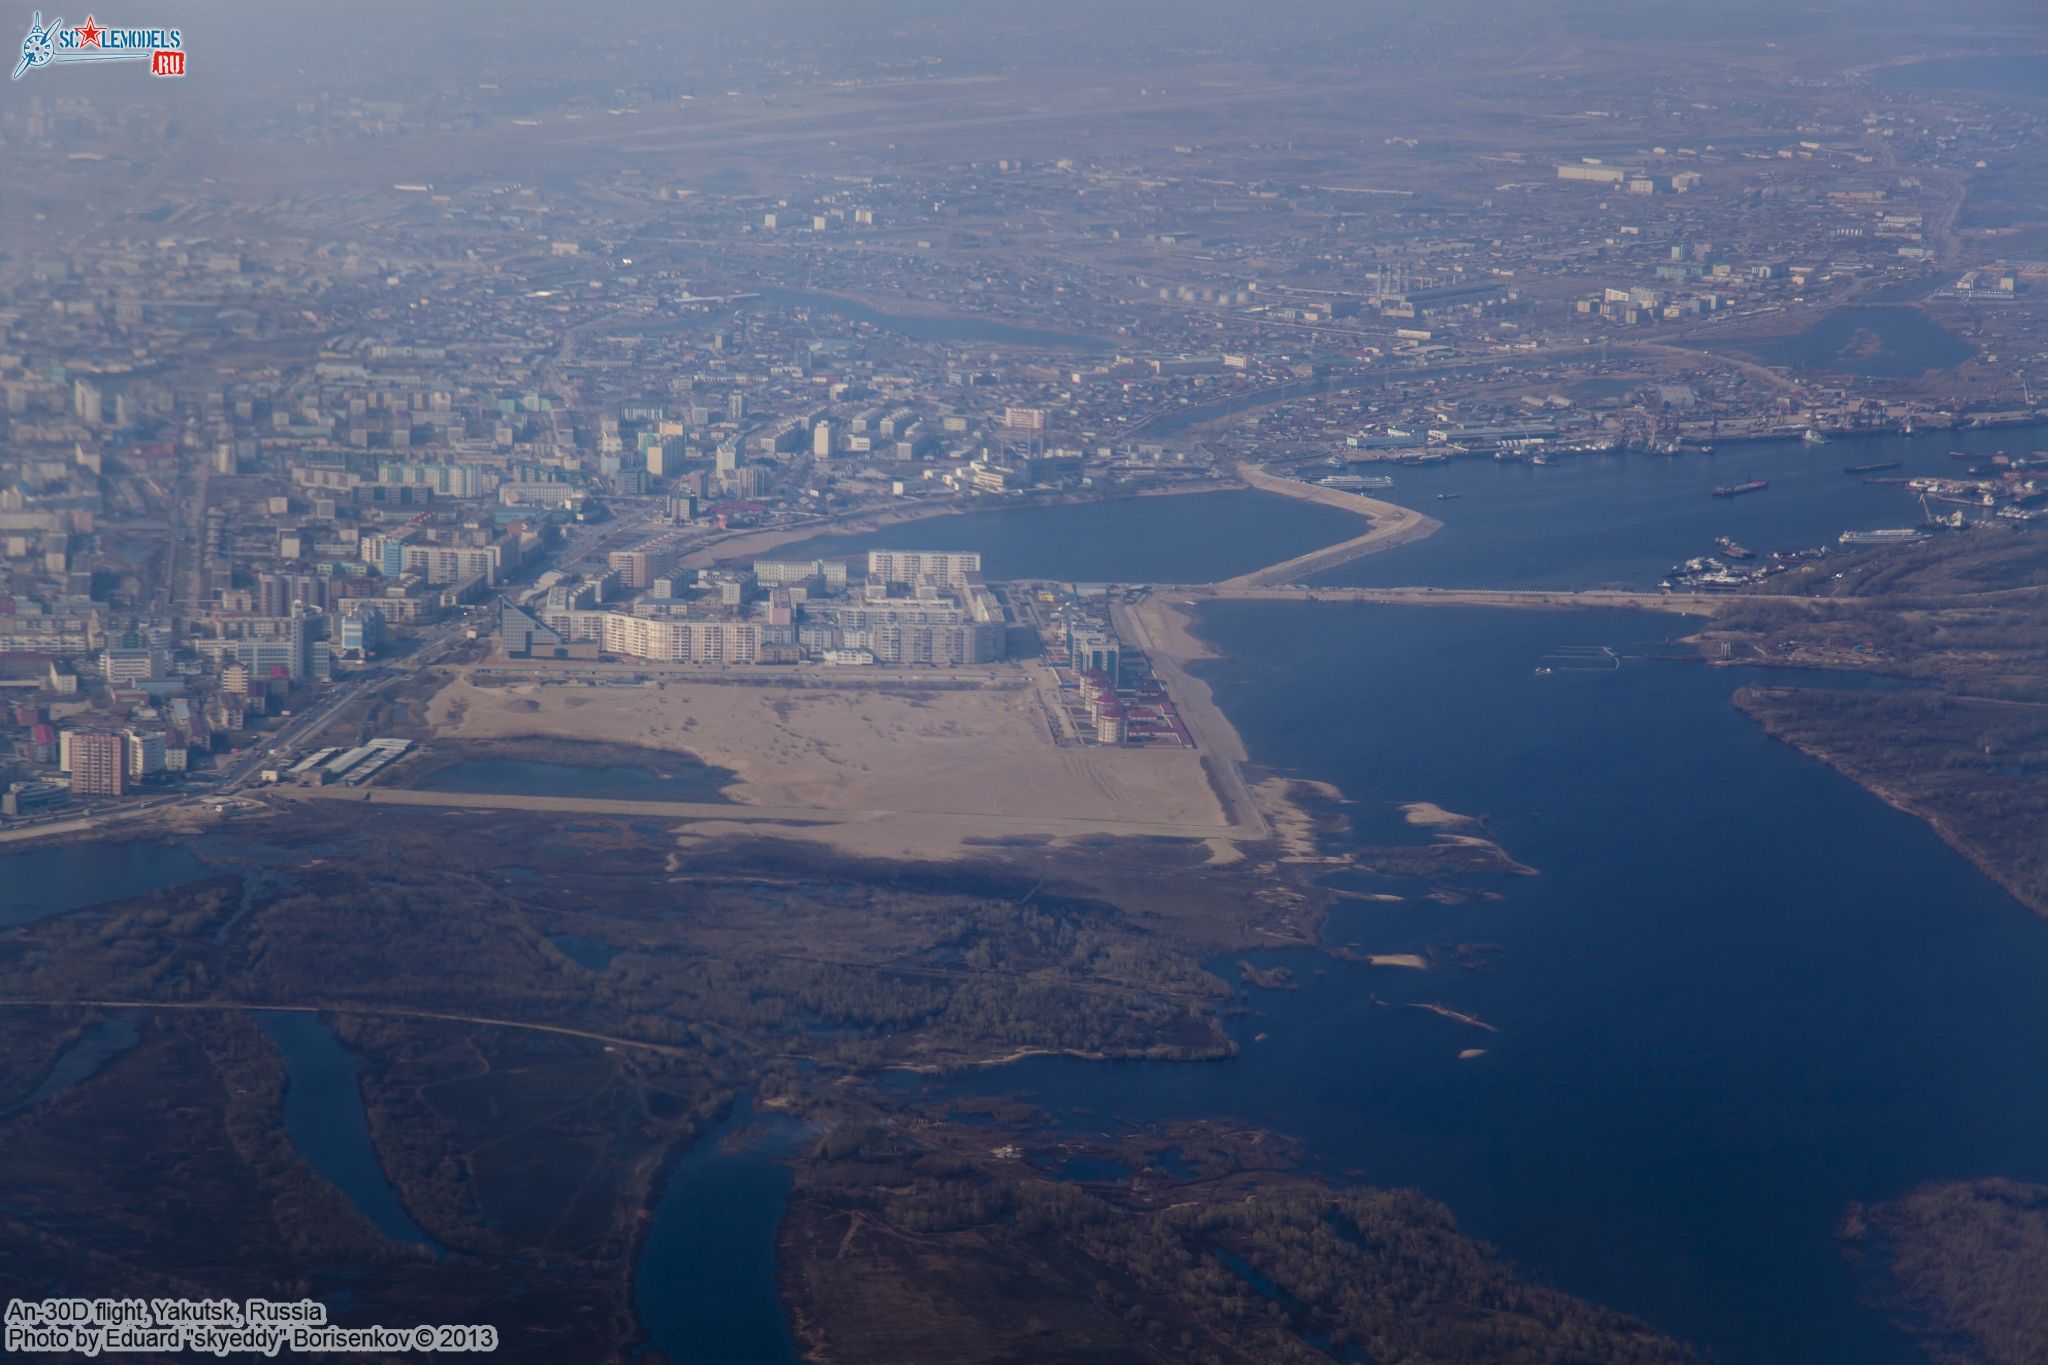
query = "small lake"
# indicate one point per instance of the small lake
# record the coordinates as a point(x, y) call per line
point(323, 1113)
point(99, 1044)
point(50, 881)
point(706, 1288)
point(1878, 342)
point(591, 954)
point(1180, 538)
point(929, 327)
point(610, 781)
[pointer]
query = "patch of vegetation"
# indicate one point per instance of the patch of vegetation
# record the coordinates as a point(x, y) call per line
point(523, 1107)
point(170, 1173)
point(1976, 770)
point(901, 1255)
point(1964, 1266)
point(1965, 615)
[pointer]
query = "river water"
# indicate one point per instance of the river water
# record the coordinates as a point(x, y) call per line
point(706, 1286)
point(1623, 520)
point(1740, 994)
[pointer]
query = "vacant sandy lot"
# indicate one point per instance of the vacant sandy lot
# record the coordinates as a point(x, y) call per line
point(942, 753)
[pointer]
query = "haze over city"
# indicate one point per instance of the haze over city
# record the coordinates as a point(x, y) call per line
point(908, 682)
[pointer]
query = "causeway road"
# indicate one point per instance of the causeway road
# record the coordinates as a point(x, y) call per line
point(1531, 599)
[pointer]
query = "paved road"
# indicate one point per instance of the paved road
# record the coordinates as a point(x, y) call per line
point(769, 815)
point(373, 1011)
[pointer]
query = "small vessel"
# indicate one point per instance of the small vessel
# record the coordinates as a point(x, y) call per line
point(1873, 466)
point(1446, 497)
point(1736, 490)
point(1813, 438)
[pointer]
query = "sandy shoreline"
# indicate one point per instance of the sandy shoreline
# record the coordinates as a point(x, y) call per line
point(1430, 815)
point(1390, 524)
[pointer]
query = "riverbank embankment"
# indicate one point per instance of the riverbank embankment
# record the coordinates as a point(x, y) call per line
point(1391, 525)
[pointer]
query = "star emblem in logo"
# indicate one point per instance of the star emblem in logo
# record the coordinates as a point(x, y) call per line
point(89, 33)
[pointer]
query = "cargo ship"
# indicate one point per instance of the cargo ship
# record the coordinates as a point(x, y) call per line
point(1873, 467)
point(1736, 490)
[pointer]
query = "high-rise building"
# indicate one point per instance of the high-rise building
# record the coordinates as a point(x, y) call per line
point(362, 631)
point(99, 764)
point(277, 593)
point(948, 568)
point(1094, 651)
point(440, 564)
point(144, 750)
point(638, 568)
